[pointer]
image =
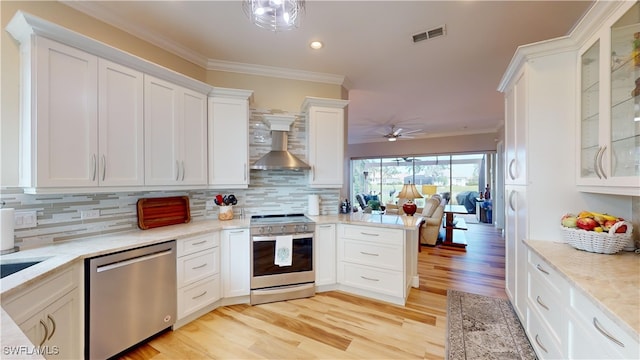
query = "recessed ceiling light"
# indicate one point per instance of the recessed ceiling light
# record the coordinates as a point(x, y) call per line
point(316, 45)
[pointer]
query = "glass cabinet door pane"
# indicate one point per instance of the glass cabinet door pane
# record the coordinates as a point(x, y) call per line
point(625, 94)
point(590, 111)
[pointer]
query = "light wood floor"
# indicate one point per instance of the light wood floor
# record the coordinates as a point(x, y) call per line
point(334, 325)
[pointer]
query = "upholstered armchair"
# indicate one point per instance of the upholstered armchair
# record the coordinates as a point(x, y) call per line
point(432, 213)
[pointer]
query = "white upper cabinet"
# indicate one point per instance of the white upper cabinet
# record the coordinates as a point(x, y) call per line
point(516, 121)
point(175, 134)
point(229, 138)
point(120, 133)
point(325, 141)
point(609, 93)
point(60, 119)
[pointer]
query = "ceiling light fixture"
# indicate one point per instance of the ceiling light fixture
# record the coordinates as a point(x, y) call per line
point(316, 45)
point(274, 15)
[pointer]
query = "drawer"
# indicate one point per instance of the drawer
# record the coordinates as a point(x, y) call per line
point(368, 233)
point(197, 266)
point(198, 295)
point(368, 253)
point(543, 341)
point(549, 276)
point(546, 302)
point(197, 243)
point(373, 279)
point(591, 327)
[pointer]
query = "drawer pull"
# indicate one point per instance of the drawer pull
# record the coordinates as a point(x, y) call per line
point(199, 266)
point(370, 254)
point(604, 332)
point(199, 243)
point(369, 234)
point(541, 269)
point(325, 226)
point(370, 279)
point(540, 344)
point(199, 296)
point(542, 303)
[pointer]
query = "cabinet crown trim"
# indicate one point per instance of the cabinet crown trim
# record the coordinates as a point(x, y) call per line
point(316, 101)
point(24, 25)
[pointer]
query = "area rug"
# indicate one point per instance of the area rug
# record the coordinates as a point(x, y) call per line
point(481, 327)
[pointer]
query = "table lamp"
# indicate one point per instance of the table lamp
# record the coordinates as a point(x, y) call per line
point(409, 192)
point(429, 190)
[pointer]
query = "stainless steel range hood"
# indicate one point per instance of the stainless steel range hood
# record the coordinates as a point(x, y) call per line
point(279, 158)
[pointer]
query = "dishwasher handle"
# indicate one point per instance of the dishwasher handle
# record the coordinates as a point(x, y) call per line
point(133, 260)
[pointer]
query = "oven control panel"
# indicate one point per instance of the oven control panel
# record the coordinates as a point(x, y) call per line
point(281, 229)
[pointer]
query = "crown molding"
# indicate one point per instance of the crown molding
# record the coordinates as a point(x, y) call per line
point(272, 71)
point(97, 11)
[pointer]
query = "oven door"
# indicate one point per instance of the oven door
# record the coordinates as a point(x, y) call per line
point(264, 271)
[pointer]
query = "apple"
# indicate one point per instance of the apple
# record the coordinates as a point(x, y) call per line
point(586, 223)
point(608, 224)
point(569, 221)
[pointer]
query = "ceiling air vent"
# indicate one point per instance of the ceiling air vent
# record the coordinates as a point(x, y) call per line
point(429, 34)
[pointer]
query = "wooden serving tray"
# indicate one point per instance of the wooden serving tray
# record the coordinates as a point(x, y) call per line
point(157, 212)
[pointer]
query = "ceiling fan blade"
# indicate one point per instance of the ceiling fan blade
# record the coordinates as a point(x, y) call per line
point(412, 131)
point(396, 132)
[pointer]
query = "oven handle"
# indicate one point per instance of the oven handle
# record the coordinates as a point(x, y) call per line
point(273, 237)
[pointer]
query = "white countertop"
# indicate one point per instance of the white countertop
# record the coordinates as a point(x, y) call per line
point(612, 281)
point(66, 253)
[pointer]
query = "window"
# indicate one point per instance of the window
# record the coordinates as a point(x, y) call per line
point(453, 175)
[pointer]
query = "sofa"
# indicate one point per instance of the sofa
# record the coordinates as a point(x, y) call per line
point(433, 214)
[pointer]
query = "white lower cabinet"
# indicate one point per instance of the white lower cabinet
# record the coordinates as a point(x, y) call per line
point(593, 335)
point(198, 273)
point(235, 263)
point(371, 262)
point(49, 314)
point(563, 323)
point(325, 253)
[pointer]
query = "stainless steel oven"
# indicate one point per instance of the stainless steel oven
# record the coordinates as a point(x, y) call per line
point(282, 266)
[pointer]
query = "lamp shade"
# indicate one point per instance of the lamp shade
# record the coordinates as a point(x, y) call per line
point(409, 192)
point(429, 190)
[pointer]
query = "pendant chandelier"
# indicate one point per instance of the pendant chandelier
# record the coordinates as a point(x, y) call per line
point(274, 15)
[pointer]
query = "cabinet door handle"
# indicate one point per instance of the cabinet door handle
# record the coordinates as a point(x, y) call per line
point(369, 234)
point(53, 322)
point(541, 269)
point(313, 172)
point(370, 279)
point(510, 168)
point(199, 296)
point(177, 170)
point(511, 195)
point(595, 163)
point(541, 303)
point(104, 167)
point(46, 332)
point(540, 344)
point(604, 332)
point(95, 167)
point(183, 170)
point(199, 266)
point(604, 175)
point(245, 171)
point(367, 253)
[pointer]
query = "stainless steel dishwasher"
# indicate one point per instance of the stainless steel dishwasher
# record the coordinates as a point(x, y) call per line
point(129, 297)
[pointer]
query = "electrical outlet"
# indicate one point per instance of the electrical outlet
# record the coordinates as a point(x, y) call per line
point(209, 205)
point(25, 219)
point(89, 214)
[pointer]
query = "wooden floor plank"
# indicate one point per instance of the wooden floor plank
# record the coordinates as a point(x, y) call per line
point(336, 325)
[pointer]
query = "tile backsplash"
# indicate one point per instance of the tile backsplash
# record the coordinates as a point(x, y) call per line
point(269, 192)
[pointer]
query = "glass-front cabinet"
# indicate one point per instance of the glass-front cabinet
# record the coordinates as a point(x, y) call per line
point(609, 123)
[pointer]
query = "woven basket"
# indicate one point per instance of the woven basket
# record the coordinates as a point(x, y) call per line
point(599, 242)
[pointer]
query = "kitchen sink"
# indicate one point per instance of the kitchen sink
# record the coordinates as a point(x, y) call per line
point(9, 268)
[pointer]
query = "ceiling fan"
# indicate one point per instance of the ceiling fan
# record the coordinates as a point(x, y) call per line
point(395, 133)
